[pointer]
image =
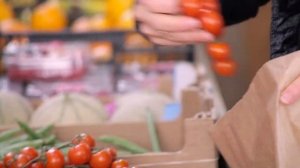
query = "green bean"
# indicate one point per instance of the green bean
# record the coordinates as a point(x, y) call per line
point(123, 144)
point(33, 143)
point(152, 133)
point(29, 131)
point(7, 135)
point(42, 132)
point(45, 131)
point(50, 140)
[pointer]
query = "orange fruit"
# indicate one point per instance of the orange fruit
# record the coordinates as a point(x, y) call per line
point(13, 26)
point(126, 21)
point(99, 23)
point(116, 8)
point(6, 11)
point(49, 16)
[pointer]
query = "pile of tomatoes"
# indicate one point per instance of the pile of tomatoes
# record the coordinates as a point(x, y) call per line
point(81, 152)
point(209, 14)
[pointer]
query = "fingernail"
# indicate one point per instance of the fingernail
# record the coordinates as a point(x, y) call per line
point(286, 99)
point(193, 23)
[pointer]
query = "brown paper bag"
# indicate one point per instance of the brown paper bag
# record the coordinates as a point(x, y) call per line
point(259, 131)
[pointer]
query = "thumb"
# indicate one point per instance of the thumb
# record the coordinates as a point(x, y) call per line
point(292, 93)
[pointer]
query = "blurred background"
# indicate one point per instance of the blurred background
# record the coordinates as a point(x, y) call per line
point(54, 52)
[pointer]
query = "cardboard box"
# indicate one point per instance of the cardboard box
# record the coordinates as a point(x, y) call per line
point(186, 143)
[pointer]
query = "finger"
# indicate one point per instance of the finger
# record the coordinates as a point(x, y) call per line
point(166, 22)
point(162, 6)
point(161, 41)
point(292, 93)
point(193, 36)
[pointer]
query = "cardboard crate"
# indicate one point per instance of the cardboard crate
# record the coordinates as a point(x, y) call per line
point(185, 142)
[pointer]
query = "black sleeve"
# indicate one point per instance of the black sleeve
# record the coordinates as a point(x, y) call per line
point(235, 11)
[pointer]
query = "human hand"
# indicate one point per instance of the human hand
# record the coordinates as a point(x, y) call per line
point(163, 23)
point(292, 93)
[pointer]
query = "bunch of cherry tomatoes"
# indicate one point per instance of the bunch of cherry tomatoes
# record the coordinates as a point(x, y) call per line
point(81, 153)
point(209, 13)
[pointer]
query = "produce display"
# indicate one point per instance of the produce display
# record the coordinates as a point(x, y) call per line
point(46, 61)
point(64, 15)
point(208, 12)
point(24, 147)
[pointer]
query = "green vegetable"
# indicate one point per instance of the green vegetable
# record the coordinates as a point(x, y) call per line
point(152, 133)
point(29, 131)
point(123, 144)
point(33, 143)
point(6, 135)
point(42, 132)
point(18, 146)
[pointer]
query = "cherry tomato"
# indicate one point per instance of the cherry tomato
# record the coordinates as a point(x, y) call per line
point(212, 5)
point(86, 138)
point(120, 164)
point(1, 164)
point(79, 154)
point(30, 152)
point(112, 152)
point(37, 165)
point(218, 51)
point(89, 140)
point(20, 162)
point(55, 158)
point(225, 68)
point(101, 159)
point(190, 7)
point(212, 22)
point(8, 159)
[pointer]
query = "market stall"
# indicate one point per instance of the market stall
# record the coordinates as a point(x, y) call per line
point(71, 70)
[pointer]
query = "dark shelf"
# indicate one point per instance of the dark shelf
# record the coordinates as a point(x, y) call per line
point(112, 36)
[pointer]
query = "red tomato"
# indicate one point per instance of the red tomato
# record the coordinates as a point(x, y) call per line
point(101, 159)
point(89, 140)
point(20, 161)
point(79, 154)
point(1, 164)
point(212, 22)
point(112, 152)
point(86, 138)
point(8, 159)
point(190, 7)
point(212, 5)
point(120, 164)
point(225, 68)
point(55, 158)
point(37, 165)
point(218, 51)
point(30, 152)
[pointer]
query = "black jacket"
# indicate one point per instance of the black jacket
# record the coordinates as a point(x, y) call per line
point(285, 21)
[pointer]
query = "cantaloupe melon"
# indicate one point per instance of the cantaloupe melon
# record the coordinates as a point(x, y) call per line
point(132, 107)
point(69, 109)
point(13, 107)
